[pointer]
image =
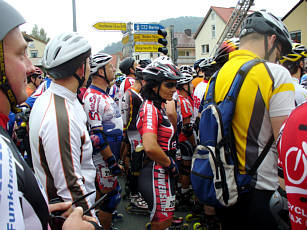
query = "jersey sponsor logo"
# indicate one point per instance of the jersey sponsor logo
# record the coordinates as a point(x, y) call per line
point(297, 172)
point(149, 116)
point(93, 112)
point(297, 214)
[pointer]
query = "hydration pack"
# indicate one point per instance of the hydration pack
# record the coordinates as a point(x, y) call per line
point(215, 175)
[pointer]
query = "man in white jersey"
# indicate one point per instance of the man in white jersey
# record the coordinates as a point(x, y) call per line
point(23, 202)
point(106, 131)
point(60, 144)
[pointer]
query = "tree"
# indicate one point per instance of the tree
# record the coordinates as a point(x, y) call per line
point(39, 33)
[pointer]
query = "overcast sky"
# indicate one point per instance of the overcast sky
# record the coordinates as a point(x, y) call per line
point(55, 16)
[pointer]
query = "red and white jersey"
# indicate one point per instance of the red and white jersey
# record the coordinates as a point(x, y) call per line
point(186, 110)
point(198, 96)
point(292, 149)
point(61, 147)
point(153, 120)
point(126, 84)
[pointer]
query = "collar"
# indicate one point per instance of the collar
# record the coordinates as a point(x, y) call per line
point(3, 121)
point(62, 91)
point(241, 53)
point(98, 89)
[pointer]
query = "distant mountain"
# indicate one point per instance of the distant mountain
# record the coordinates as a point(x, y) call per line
point(180, 24)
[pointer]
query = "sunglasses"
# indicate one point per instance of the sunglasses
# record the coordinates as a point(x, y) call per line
point(170, 85)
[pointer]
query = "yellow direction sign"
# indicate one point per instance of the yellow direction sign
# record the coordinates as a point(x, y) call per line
point(125, 39)
point(110, 26)
point(146, 37)
point(146, 48)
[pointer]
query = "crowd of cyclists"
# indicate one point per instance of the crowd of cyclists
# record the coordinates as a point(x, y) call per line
point(70, 128)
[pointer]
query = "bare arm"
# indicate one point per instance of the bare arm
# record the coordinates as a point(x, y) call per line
point(154, 151)
point(276, 124)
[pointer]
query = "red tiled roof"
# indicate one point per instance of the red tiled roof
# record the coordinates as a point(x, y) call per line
point(224, 13)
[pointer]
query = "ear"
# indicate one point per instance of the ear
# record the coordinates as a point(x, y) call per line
point(80, 70)
point(302, 63)
point(100, 71)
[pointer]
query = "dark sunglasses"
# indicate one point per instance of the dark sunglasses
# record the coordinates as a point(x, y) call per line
point(170, 85)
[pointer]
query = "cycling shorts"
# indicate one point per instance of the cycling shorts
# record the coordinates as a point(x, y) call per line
point(158, 189)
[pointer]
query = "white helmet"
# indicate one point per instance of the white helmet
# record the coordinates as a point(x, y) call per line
point(64, 48)
point(164, 60)
point(186, 69)
point(99, 60)
point(185, 78)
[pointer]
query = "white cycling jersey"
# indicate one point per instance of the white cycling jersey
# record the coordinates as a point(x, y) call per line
point(61, 147)
point(198, 96)
point(300, 92)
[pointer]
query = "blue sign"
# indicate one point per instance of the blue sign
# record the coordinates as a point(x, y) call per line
point(148, 27)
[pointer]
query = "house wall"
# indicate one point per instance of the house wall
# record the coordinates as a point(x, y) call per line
point(38, 46)
point(205, 35)
point(296, 21)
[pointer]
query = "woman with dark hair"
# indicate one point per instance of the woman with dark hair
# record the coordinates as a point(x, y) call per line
point(156, 182)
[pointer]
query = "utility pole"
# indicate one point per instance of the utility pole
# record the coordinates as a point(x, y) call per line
point(130, 44)
point(174, 43)
point(74, 15)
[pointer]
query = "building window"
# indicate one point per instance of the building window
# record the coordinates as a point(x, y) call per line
point(33, 53)
point(31, 45)
point(181, 53)
point(213, 31)
point(187, 53)
point(205, 48)
point(296, 36)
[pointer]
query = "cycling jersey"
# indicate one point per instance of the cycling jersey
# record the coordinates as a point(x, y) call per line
point(292, 149)
point(126, 84)
point(198, 95)
point(300, 92)
point(131, 102)
point(186, 111)
point(61, 147)
point(23, 203)
point(41, 88)
point(114, 93)
point(153, 120)
point(267, 91)
point(102, 111)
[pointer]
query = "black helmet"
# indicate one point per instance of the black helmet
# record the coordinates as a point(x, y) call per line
point(126, 64)
point(266, 23)
point(197, 62)
point(159, 72)
point(144, 62)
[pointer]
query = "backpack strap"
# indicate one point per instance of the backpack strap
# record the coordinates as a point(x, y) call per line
point(261, 156)
point(235, 87)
